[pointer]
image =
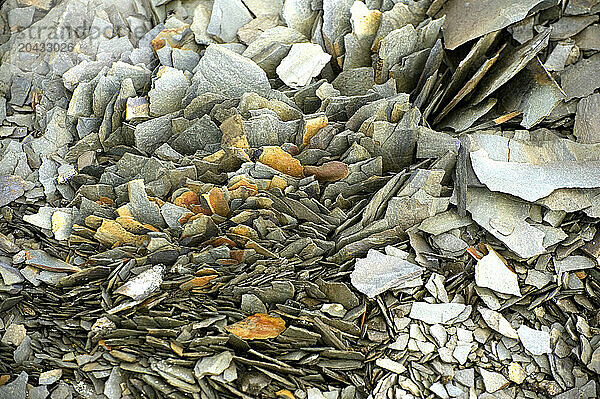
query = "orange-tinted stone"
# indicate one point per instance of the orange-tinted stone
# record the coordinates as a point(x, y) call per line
point(196, 282)
point(277, 182)
point(105, 201)
point(217, 201)
point(284, 393)
point(281, 161)
point(111, 234)
point(168, 36)
point(257, 326)
point(187, 199)
point(133, 226)
point(312, 126)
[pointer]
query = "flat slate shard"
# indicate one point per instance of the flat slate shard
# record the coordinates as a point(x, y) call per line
point(213, 365)
point(587, 120)
point(40, 259)
point(535, 341)
point(168, 92)
point(227, 16)
point(492, 272)
point(504, 217)
point(223, 71)
point(440, 313)
point(11, 188)
point(497, 322)
point(149, 135)
point(581, 79)
point(533, 92)
point(509, 64)
point(545, 162)
point(468, 20)
point(378, 273)
point(143, 285)
point(304, 61)
point(16, 389)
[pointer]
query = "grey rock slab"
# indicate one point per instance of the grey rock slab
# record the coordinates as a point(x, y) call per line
point(40, 392)
point(42, 219)
point(378, 273)
point(492, 272)
point(497, 322)
point(589, 38)
point(213, 365)
point(172, 213)
point(151, 134)
point(440, 313)
point(535, 341)
point(443, 222)
point(533, 92)
point(336, 23)
point(299, 15)
point(139, 74)
point(143, 210)
point(223, 71)
point(511, 228)
point(11, 188)
point(573, 263)
point(106, 88)
point(468, 20)
point(304, 61)
point(112, 387)
point(226, 18)
point(23, 351)
point(545, 162)
point(185, 60)
point(568, 26)
point(14, 334)
point(509, 64)
point(196, 137)
point(390, 365)
point(252, 304)
point(50, 377)
point(200, 22)
point(538, 279)
point(20, 18)
point(558, 57)
point(355, 81)
point(581, 79)
point(587, 119)
point(168, 92)
point(493, 381)
point(398, 44)
point(594, 363)
point(19, 90)
point(16, 389)
point(81, 101)
point(2, 109)
point(10, 275)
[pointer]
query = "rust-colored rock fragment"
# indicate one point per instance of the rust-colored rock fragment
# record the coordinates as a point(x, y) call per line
point(172, 37)
point(133, 226)
point(257, 326)
point(196, 282)
point(281, 161)
point(187, 199)
point(217, 202)
point(111, 234)
point(312, 126)
point(328, 172)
